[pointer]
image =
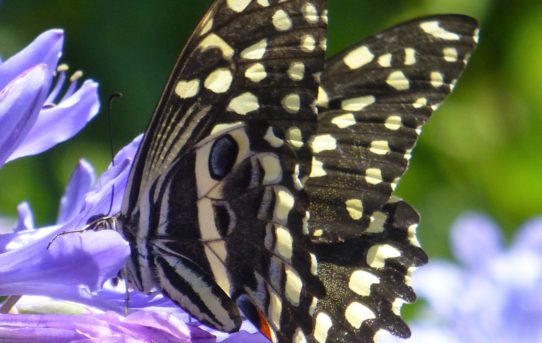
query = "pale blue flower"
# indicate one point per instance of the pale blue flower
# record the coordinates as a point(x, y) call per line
point(493, 294)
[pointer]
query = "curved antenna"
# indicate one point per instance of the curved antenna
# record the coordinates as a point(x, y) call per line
point(112, 97)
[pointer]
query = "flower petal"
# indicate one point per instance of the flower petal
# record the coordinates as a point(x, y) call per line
point(71, 260)
point(45, 49)
point(61, 122)
point(20, 103)
point(529, 236)
point(81, 182)
point(476, 240)
point(441, 284)
point(104, 327)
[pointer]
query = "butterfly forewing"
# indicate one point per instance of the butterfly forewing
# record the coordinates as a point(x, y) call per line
point(374, 99)
point(215, 208)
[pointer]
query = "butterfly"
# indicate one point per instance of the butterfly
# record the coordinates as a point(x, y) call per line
point(263, 186)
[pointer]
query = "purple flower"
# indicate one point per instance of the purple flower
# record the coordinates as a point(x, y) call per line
point(493, 295)
point(76, 267)
point(37, 110)
point(100, 327)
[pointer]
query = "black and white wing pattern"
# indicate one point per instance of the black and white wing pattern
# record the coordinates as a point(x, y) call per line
point(263, 184)
point(214, 211)
point(373, 101)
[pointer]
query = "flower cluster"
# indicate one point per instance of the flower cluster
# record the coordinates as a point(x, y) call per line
point(37, 110)
point(493, 295)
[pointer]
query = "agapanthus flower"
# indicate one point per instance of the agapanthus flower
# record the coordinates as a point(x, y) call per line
point(493, 294)
point(37, 108)
point(38, 111)
point(76, 266)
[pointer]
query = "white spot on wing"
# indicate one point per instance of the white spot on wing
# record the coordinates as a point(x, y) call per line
point(238, 5)
point(393, 123)
point(437, 79)
point(256, 72)
point(244, 103)
point(219, 81)
point(291, 103)
point(272, 139)
point(214, 41)
point(207, 27)
point(322, 325)
point(357, 313)
point(377, 222)
point(322, 100)
point(354, 208)
point(187, 89)
point(294, 137)
point(275, 308)
point(323, 143)
point(255, 51)
point(310, 13)
point(412, 237)
point(410, 56)
point(284, 242)
point(373, 176)
point(284, 203)
point(434, 29)
point(317, 168)
point(419, 103)
point(357, 104)
point(380, 147)
point(344, 120)
point(293, 286)
point(358, 57)
point(398, 80)
point(385, 60)
point(450, 54)
point(379, 253)
point(282, 21)
point(361, 281)
point(272, 169)
point(308, 44)
point(299, 337)
point(296, 71)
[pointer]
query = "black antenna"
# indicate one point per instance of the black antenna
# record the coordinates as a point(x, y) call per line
point(112, 97)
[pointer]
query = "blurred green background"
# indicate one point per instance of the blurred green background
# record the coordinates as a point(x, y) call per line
point(480, 151)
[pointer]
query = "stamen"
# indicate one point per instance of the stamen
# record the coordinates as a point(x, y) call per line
point(59, 82)
point(76, 76)
point(62, 67)
point(73, 85)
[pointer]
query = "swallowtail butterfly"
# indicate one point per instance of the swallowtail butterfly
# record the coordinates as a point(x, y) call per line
point(263, 186)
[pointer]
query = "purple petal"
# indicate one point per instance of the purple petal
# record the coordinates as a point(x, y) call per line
point(475, 240)
point(81, 182)
point(114, 179)
point(529, 236)
point(72, 260)
point(441, 284)
point(45, 49)
point(25, 218)
point(20, 103)
point(61, 122)
point(105, 327)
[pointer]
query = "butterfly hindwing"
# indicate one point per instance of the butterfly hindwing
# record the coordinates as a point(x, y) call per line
point(215, 209)
point(367, 278)
point(373, 101)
